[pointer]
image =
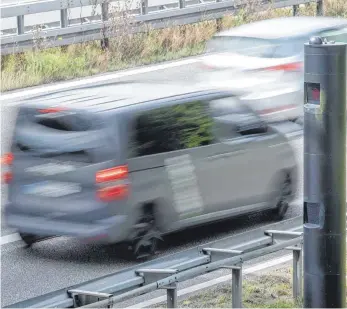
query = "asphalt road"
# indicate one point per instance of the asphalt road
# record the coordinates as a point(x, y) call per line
point(61, 262)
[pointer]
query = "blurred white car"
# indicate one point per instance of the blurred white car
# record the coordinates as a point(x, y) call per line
point(263, 61)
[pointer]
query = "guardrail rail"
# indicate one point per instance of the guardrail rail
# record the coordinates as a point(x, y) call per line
point(101, 27)
point(164, 273)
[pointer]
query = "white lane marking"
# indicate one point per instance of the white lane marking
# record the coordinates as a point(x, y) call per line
point(91, 80)
point(216, 281)
point(9, 238)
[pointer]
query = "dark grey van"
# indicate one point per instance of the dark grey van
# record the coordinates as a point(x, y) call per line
point(127, 163)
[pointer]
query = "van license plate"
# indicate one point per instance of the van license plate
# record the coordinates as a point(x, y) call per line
point(52, 189)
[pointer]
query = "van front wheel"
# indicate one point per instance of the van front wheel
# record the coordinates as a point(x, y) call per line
point(282, 201)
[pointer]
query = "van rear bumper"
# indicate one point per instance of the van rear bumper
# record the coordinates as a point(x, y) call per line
point(111, 230)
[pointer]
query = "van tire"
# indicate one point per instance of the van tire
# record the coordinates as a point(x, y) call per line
point(145, 241)
point(285, 194)
point(28, 239)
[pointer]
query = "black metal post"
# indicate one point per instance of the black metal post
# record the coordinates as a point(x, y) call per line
point(325, 175)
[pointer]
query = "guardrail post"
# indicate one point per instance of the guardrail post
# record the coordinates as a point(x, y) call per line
point(295, 10)
point(20, 24)
point(236, 289)
point(171, 293)
point(320, 8)
point(182, 4)
point(144, 7)
point(64, 22)
point(219, 21)
point(104, 17)
point(297, 274)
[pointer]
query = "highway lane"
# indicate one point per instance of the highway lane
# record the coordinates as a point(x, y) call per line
point(62, 262)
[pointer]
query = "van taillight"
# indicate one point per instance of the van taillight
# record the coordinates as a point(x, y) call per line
point(7, 177)
point(114, 173)
point(293, 67)
point(7, 159)
point(113, 183)
point(113, 193)
point(6, 162)
point(51, 110)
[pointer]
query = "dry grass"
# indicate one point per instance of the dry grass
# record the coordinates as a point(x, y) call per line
point(269, 288)
point(260, 290)
point(56, 64)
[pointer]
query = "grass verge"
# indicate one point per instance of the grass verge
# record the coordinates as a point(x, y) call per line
point(260, 290)
point(270, 288)
point(130, 50)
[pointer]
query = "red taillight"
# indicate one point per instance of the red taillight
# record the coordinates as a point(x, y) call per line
point(295, 66)
point(112, 174)
point(113, 183)
point(7, 159)
point(277, 109)
point(117, 192)
point(7, 177)
point(51, 110)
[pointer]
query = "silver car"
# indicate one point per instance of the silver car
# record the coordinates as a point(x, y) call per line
point(263, 62)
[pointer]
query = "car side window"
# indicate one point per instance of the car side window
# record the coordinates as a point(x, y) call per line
point(172, 128)
point(232, 119)
point(338, 35)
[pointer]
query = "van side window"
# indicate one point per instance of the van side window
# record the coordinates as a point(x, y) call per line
point(172, 128)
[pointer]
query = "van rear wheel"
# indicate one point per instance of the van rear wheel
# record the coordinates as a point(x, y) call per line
point(28, 239)
point(146, 238)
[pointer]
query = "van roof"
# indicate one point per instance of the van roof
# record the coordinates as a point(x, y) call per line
point(114, 96)
point(284, 27)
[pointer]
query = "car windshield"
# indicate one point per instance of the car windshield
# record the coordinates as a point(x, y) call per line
point(256, 47)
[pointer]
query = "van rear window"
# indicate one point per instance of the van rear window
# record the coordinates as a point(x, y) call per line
point(66, 137)
point(65, 122)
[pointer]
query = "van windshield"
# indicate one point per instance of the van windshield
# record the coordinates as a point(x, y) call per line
point(256, 47)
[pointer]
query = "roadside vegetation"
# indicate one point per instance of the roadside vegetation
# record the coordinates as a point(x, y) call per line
point(44, 66)
point(265, 289)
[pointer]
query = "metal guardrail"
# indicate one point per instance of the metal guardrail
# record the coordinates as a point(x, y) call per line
point(164, 273)
point(140, 20)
